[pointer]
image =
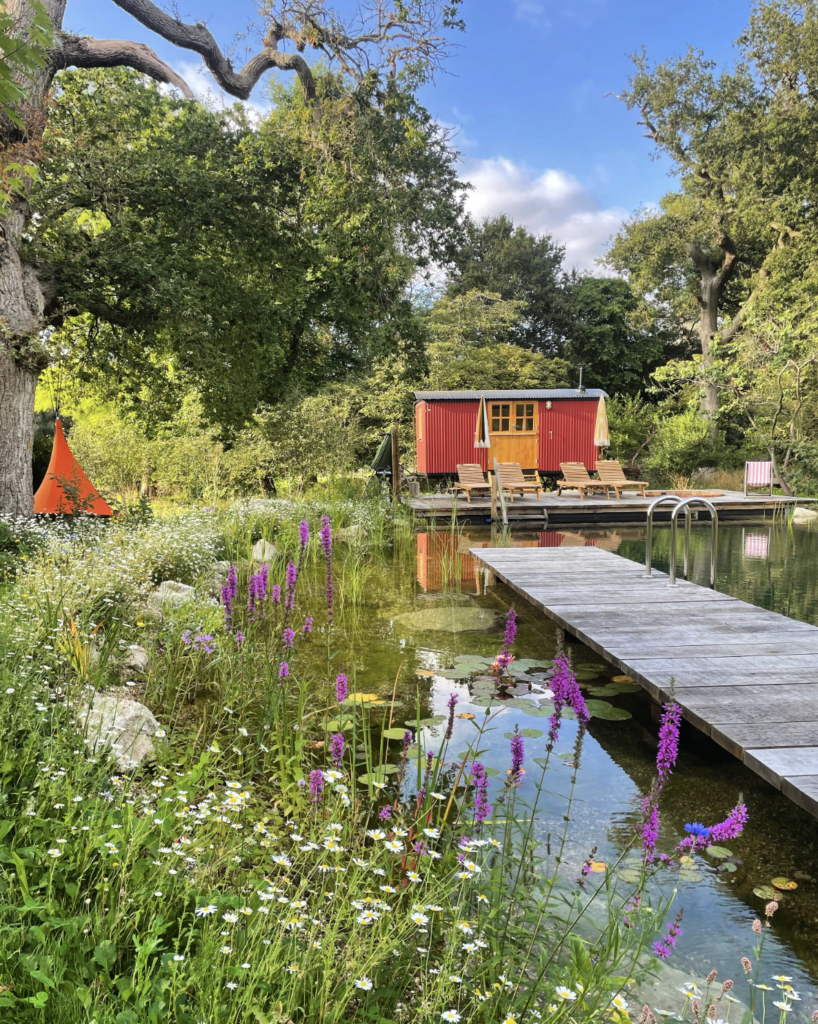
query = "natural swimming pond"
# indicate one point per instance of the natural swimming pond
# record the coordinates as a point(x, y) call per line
point(418, 611)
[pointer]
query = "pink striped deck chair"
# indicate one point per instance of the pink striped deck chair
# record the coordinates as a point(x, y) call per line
point(758, 474)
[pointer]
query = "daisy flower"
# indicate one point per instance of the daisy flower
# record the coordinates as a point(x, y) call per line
point(363, 983)
point(566, 993)
point(230, 918)
point(419, 919)
point(376, 833)
point(226, 949)
point(432, 833)
point(413, 876)
point(178, 958)
point(452, 1015)
point(619, 1003)
point(211, 908)
point(394, 845)
point(368, 917)
point(231, 985)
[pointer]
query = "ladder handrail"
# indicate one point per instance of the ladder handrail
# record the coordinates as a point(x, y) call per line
point(500, 491)
point(714, 538)
point(649, 529)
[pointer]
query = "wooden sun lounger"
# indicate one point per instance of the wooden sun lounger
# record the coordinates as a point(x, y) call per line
point(470, 477)
point(512, 480)
point(613, 476)
point(576, 478)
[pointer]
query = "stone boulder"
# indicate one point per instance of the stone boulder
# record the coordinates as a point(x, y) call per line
point(126, 726)
point(350, 533)
point(264, 551)
point(171, 592)
point(804, 515)
point(135, 661)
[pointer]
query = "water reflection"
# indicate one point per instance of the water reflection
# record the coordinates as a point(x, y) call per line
point(771, 566)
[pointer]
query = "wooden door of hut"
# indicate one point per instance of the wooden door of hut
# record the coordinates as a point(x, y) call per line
point(514, 427)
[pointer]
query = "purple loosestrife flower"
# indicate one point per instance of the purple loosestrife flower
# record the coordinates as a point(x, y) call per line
point(420, 848)
point(275, 594)
point(307, 627)
point(316, 785)
point(303, 533)
point(289, 597)
point(257, 591)
point(482, 807)
point(325, 535)
point(385, 813)
point(288, 637)
point(229, 592)
point(662, 948)
point(341, 687)
point(566, 691)
point(517, 756)
point(199, 642)
point(665, 763)
point(505, 658)
point(450, 704)
point(701, 837)
point(336, 749)
point(239, 638)
point(283, 670)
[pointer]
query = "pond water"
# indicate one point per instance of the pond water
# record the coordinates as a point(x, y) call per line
point(410, 617)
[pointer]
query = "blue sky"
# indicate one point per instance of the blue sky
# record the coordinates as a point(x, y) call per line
point(526, 91)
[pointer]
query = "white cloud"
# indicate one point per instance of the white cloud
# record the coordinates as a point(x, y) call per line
point(551, 201)
point(530, 11)
point(208, 92)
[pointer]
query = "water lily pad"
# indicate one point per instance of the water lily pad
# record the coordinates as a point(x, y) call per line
point(728, 866)
point(465, 714)
point(532, 734)
point(624, 679)
point(394, 734)
point(426, 673)
point(766, 892)
point(361, 698)
point(598, 867)
point(631, 876)
point(718, 851)
point(529, 663)
point(458, 672)
point(785, 883)
point(434, 720)
point(690, 875)
point(612, 714)
point(484, 702)
point(371, 777)
point(472, 659)
point(449, 620)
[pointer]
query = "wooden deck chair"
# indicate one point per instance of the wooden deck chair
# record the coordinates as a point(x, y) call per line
point(576, 478)
point(758, 474)
point(613, 476)
point(512, 480)
point(470, 477)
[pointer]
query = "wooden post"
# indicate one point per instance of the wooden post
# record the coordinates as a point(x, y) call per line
point(395, 465)
point(493, 478)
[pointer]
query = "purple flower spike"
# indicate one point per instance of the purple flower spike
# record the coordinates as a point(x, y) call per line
point(482, 807)
point(289, 597)
point(336, 749)
point(385, 813)
point(451, 704)
point(325, 536)
point(229, 592)
point(283, 670)
point(341, 688)
point(316, 785)
point(303, 533)
point(566, 691)
point(517, 756)
point(307, 627)
point(701, 837)
point(665, 763)
point(275, 594)
point(288, 637)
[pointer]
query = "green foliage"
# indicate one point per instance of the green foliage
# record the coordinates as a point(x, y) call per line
point(204, 253)
point(24, 44)
point(614, 335)
point(518, 266)
point(632, 423)
point(680, 446)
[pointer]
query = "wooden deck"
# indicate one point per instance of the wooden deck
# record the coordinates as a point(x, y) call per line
point(744, 676)
point(570, 508)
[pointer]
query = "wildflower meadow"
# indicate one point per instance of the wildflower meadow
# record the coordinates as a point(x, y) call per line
point(297, 849)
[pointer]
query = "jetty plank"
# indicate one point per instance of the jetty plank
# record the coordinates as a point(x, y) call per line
point(745, 676)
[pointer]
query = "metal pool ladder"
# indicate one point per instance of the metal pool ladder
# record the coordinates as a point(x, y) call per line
point(682, 503)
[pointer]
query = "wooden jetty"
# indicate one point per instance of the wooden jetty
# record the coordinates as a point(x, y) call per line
point(745, 676)
point(570, 508)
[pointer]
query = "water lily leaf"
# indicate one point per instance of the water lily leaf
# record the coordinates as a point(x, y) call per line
point(586, 666)
point(484, 702)
point(541, 761)
point(624, 679)
point(785, 883)
point(598, 867)
point(528, 663)
point(394, 734)
point(491, 772)
point(459, 672)
point(361, 698)
point(472, 659)
point(435, 720)
point(340, 724)
point(766, 892)
point(426, 673)
point(585, 676)
point(595, 707)
point(449, 620)
point(727, 866)
point(532, 734)
point(630, 875)
point(376, 776)
point(718, 852)
point(465, 714)
point(690, 875)
point(612, 714)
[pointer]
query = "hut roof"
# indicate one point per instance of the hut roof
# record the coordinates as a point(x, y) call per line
point(530, 393)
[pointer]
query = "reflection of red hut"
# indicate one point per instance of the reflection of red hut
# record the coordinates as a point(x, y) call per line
point(65, 487)
point(539, 429)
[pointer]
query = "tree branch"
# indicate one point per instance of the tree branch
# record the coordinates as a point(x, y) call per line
point(83, 52)
point(729, 263)
point(702, 261)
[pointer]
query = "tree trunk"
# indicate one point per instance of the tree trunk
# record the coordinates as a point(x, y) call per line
point(708, 325)
point(17, 387)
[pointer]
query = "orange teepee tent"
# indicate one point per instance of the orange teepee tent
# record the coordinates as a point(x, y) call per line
point(65, 487)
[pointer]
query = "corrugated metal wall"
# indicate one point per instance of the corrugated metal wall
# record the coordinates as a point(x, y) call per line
point(449, 437)
point(567, 434)
point(444, 432)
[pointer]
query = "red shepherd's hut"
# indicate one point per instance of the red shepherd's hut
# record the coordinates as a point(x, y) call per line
point(539, 429)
